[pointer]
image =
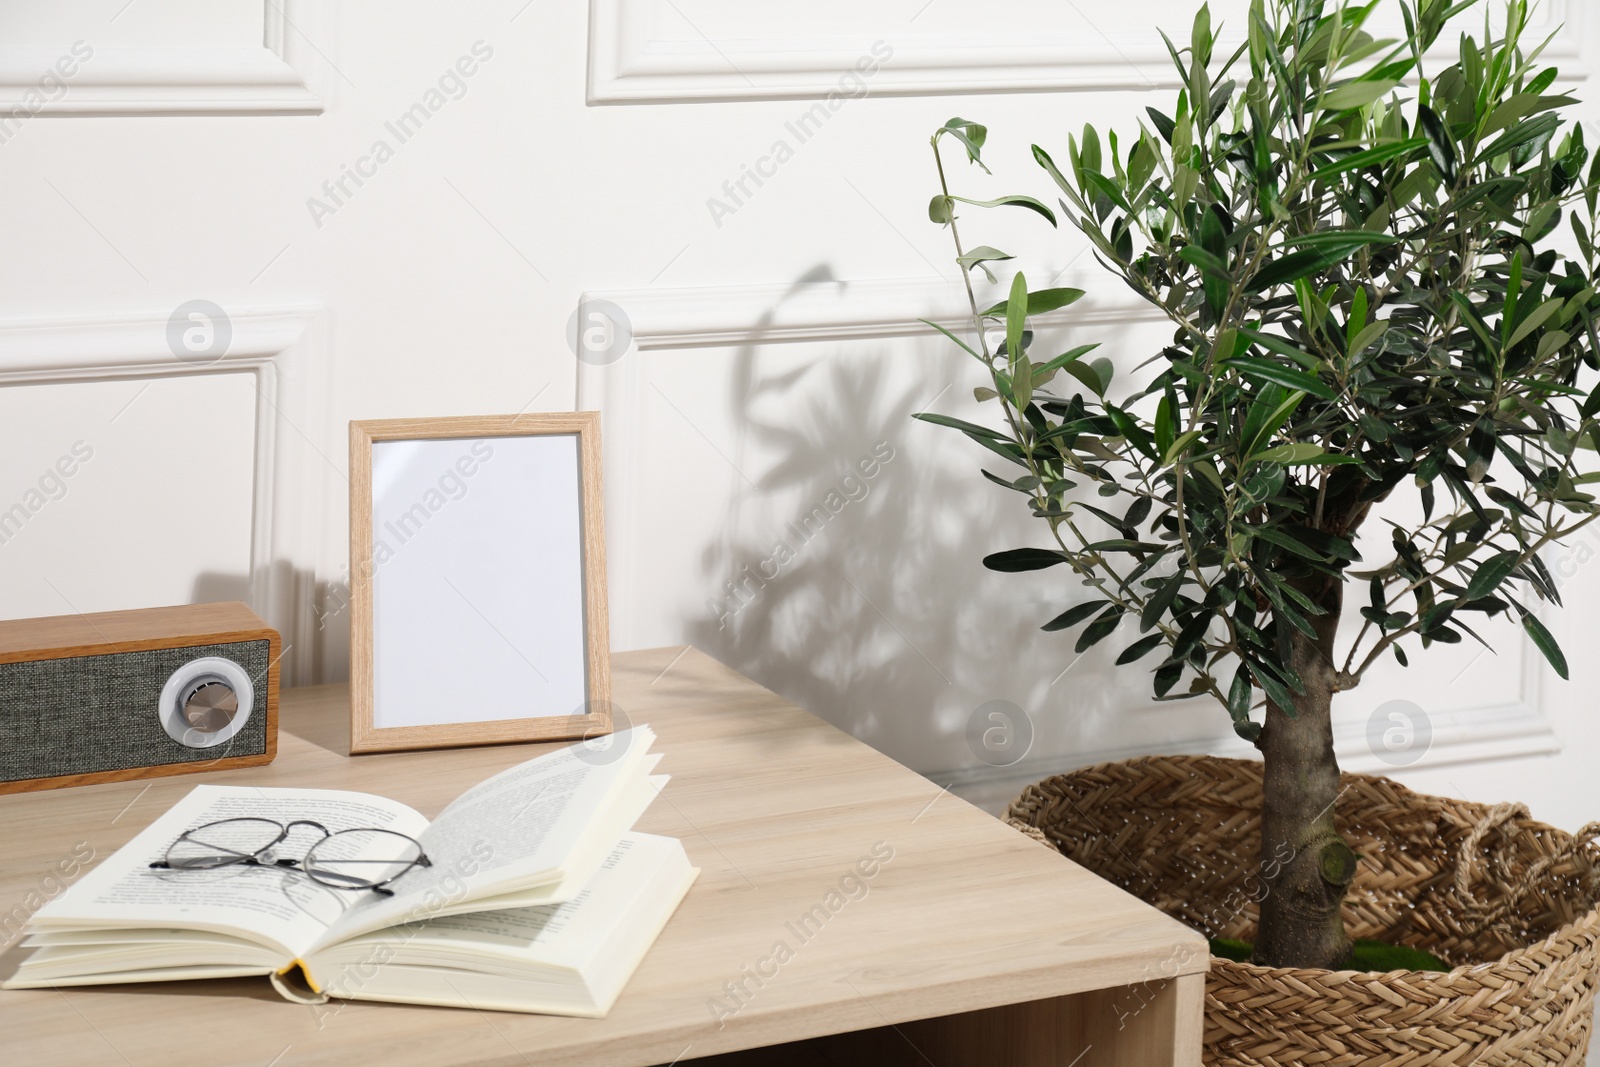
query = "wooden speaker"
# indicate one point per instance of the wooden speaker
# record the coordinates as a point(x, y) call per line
point(121, 695)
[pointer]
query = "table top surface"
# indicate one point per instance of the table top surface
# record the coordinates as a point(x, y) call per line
point(775, 806)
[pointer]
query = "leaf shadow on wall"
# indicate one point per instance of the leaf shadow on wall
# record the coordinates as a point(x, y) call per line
point(850, 581)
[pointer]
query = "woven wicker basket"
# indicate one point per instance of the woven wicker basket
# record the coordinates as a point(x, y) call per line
point(1509, 902)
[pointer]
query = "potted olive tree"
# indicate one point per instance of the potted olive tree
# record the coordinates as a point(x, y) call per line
point(1362, 252)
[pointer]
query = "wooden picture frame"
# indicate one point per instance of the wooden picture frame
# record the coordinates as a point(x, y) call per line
point(458, 588)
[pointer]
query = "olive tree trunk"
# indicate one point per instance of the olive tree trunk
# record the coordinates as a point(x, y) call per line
point(1306, 865)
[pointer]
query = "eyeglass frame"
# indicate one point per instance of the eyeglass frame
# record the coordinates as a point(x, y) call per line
point(253, 859)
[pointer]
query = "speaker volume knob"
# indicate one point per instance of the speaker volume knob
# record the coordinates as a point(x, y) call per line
point(210, 706)
point(206, 702)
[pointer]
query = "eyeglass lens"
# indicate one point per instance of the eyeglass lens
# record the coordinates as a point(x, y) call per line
point(221, 843)
point(359, 859)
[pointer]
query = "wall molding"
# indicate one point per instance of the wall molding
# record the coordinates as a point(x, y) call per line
point(630, 62)
point(842, 310)
point(284, 74)
point(284, 349)
point(666, 321)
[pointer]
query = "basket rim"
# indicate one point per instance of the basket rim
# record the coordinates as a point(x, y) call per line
point(1570, 932)
point(1573, 931)
point(1205, 759)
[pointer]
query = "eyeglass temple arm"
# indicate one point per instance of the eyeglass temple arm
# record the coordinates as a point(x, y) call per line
point(242, 861)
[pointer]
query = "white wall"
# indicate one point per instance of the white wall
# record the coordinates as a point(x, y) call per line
point(597, 150)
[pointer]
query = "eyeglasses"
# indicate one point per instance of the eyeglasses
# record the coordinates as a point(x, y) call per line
point(349, 859)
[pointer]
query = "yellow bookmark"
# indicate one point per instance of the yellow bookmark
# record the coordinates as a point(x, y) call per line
point(294, 979)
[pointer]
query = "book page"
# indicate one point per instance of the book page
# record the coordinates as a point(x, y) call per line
point(576, 871)
point(277, 907)
point(513, 831)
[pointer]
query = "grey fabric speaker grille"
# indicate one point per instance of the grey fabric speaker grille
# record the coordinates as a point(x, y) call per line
point(98, 713)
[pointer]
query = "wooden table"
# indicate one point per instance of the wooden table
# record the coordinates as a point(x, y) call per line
point(973, 945)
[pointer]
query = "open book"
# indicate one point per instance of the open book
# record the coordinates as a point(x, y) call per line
point(538, 898)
